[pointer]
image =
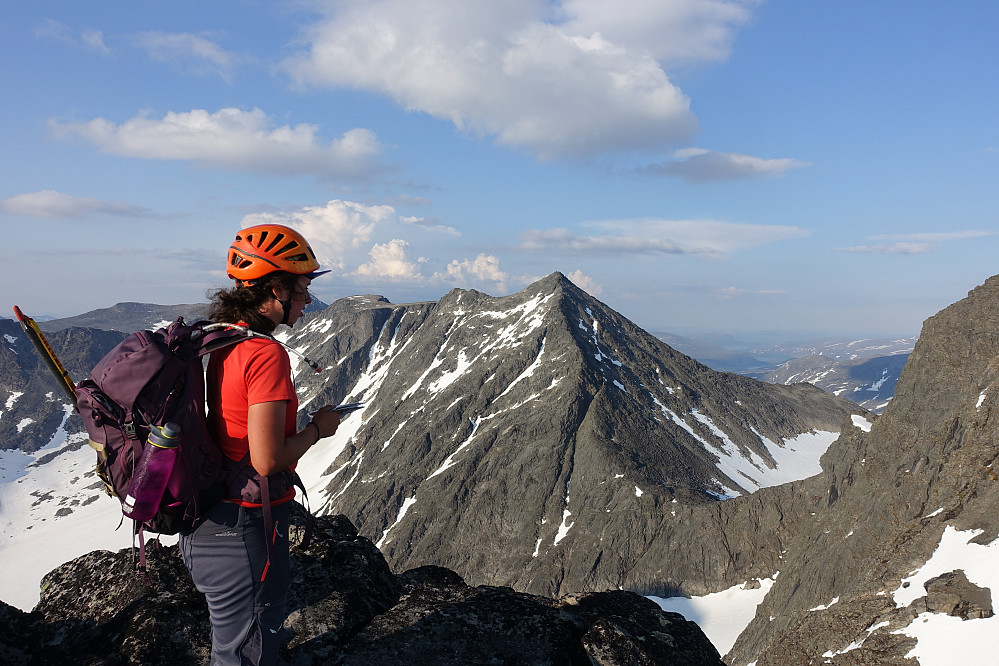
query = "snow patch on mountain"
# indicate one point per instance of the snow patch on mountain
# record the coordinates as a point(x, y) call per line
point(827, 606)
point(402, 514)
point(563, 529)
point(12, 398)
point(721, 615)
point(449, 461)
point(795, 458)
point(861, 422)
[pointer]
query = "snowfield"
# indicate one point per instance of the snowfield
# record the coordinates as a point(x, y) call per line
point(52, 513)
point(722, 616)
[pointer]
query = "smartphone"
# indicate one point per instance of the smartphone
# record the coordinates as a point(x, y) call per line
point(345, 408)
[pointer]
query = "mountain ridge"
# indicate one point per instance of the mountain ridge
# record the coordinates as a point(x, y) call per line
point(869, 382)
point(578, 389)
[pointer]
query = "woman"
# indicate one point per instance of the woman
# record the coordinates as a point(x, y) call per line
point(252, 409)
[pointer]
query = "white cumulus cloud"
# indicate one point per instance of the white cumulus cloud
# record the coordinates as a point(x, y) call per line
point(235, 140)
point(561, 79)
point(335, 230)
point(674, 32)
point(484, 268)
point(585, 282)
point(389, 262)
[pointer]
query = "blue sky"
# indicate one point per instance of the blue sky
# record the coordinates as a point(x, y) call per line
point(724, 165)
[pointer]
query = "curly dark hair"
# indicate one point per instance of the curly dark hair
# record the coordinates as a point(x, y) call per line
point(242, 304)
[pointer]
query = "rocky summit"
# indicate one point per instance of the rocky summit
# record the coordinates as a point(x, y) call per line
point(346, 607)
point(543, 441)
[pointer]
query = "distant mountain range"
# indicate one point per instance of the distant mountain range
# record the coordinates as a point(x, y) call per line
point(864, 371)
point(868, 382)
point(128, 317)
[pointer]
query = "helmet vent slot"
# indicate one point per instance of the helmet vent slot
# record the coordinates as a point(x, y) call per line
point(289, 246)
point(277, 239)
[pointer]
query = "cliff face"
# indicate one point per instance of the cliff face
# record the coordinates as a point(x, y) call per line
point(345, 607)
point(925, 472)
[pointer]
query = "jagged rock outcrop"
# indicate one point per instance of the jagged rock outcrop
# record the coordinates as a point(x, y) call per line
point(543, 441)
point(924, 472)
point(346, 607)
point(953, 594)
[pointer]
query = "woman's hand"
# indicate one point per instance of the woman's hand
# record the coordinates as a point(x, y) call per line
point(327, 420)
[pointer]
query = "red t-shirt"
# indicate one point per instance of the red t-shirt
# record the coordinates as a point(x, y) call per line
point(251, 372)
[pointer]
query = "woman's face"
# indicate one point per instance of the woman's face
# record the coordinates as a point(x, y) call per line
point(299, 296)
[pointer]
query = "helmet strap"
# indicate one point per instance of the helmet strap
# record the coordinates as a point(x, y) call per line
point(286, 305)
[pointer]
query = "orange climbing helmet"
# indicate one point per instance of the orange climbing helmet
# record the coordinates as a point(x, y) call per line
point(266, 248)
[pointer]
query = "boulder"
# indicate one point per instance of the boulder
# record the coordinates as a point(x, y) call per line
point(952, 593)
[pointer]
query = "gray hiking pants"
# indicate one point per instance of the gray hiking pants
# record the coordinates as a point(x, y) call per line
point(227, 557)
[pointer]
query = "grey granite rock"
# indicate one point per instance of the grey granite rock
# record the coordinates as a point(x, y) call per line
point(346, 607)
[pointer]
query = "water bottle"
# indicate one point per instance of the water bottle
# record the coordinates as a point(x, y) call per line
point(152, 473)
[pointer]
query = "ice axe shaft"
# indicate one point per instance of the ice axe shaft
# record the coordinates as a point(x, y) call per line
point(45, 351)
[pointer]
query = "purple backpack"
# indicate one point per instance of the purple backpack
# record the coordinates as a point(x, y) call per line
point(150, 378)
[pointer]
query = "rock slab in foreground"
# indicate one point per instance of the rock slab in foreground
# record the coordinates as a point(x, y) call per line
point(345, 607)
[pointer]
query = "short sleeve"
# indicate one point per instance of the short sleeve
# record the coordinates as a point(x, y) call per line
point(267, 374)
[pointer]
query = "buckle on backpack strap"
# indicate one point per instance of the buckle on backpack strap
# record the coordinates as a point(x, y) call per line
point(130, 430)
